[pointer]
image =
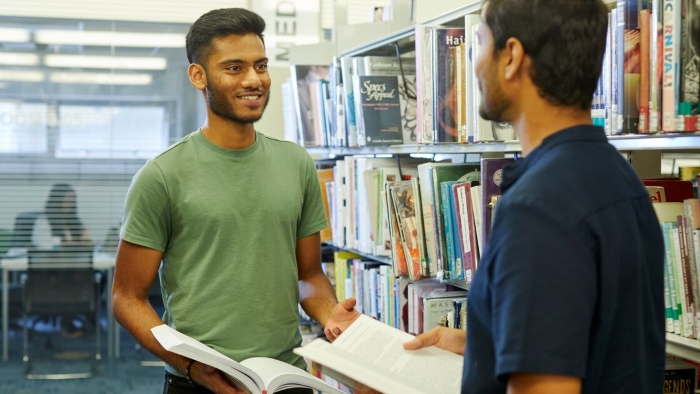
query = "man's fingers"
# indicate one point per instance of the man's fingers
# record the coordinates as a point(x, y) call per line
point(423, 340)
point(414, 344)
point(329, 334)
point(349, 304)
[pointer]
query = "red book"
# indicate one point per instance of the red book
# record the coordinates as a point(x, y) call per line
point(675, 189)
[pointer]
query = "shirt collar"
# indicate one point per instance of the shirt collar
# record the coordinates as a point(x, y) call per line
point(587, 133)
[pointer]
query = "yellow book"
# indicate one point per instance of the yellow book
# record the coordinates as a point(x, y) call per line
point(341, 272)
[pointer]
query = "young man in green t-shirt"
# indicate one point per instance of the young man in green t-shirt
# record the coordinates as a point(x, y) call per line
point(233, 215)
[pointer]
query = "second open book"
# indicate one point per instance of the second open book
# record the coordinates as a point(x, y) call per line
point(371, 352)
point(256, 375)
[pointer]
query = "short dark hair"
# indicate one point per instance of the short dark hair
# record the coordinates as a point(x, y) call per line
point(220, 23)
point(564, 38)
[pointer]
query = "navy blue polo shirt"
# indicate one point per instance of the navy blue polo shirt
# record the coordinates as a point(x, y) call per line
point(571, 282)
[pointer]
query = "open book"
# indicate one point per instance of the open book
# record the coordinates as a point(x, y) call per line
point(372, 353)
point(256, 375)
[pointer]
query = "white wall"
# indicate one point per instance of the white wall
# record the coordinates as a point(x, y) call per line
point(272, 122)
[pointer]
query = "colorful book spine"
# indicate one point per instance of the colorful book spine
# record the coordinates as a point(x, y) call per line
point(644, 29)
point(349, 101)
point(444, 41)
point(631, 52)
point(465, 228)
point(671, 60)
point(690, 63)
point(424, 84)
point(448, 228)
point(491, 178)
point(620, 69)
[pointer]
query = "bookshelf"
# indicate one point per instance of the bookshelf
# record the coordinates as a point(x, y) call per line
point(387, 260)
point(630, 142)
point(643, 147)
point(380, 259)
point(679, 346)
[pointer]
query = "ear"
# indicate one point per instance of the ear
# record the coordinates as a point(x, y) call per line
point(513, 54)
point(198, 76)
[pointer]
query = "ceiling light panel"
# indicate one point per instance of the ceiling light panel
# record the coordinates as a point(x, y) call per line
point(101, 78)
point(10, 34)
point(19, 59)
point(108, 62)
point(21, 75)
point(111, 39)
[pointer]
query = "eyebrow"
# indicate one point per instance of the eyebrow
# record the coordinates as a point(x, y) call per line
point(239, 61)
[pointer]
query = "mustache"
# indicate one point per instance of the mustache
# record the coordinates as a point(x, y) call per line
point(259, 91)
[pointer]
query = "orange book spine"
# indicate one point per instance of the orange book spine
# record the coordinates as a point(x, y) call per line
point(644, 26)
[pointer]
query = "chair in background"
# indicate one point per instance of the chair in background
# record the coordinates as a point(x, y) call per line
point(14, 289)
point(61, 282)
point(5, 240)
point(24, 226)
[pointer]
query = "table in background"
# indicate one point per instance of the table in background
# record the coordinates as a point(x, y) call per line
point(16, 260)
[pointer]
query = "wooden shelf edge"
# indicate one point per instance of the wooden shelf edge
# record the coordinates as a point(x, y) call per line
point(679, 346)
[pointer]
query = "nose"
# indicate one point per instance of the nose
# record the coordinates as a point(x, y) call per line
point(251, 80)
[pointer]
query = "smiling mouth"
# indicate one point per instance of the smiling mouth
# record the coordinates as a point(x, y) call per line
point(251, 97)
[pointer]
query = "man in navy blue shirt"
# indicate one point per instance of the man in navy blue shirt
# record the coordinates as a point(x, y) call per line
point(568, 297)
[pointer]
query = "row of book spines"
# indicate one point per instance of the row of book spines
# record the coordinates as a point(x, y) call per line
point(461, 216)
point(347, 109)
point(643, 64)
point(680, 223)
point(397, 302)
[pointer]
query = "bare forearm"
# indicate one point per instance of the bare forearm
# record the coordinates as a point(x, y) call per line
point(317, 297)
point(138, 317)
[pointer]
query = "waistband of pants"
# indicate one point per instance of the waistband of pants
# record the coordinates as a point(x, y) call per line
point(179, 379)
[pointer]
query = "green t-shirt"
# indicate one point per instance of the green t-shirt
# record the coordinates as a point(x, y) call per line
point(227, 222)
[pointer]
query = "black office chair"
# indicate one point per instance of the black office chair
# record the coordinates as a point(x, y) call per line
point(24, 226)
point(60, 282)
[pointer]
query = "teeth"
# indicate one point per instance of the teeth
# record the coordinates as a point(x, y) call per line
point(250, 97)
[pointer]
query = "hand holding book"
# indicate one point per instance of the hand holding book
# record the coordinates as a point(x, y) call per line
point(341, 317)
point(210, 378)
point(371, 353)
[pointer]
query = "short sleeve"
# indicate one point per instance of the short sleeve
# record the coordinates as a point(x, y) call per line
point(543, 293)
point(313, 217)
point(146, 219)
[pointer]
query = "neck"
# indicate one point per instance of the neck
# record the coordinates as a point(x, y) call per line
point(539, 120)
point(228, 134)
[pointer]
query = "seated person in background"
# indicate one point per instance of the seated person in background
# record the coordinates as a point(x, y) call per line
point(60, 227)
point(62, 213)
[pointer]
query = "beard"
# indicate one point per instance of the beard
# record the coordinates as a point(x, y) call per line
point(493, 101)
point(222, 107)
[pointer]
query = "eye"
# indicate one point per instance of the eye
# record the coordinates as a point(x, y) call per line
point(262, 67)
point(234, 68)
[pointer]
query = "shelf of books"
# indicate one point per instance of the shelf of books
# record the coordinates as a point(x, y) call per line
point(659, 141)
point(412, 227)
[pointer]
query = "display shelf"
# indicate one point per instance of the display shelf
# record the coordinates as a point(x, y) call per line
point(656, 141)
point(458, 283)
point(673, 141)
point(387, 260)
point(679, 346)
point(379, 259)
point(485, 147)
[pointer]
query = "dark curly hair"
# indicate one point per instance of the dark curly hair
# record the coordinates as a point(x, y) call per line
point(564, 38)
